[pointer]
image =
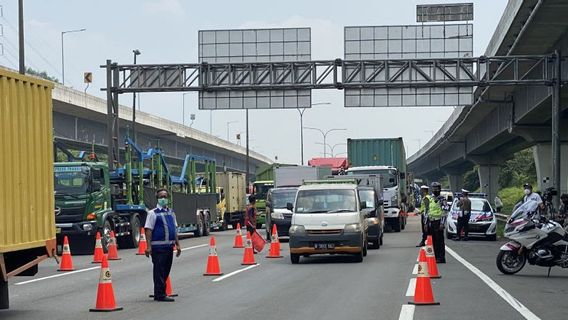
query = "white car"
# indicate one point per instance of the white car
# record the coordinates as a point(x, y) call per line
point(482, 222)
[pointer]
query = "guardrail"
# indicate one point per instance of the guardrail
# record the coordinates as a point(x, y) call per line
point(502, 217)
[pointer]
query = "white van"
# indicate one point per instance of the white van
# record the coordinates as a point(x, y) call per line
point(328, 219)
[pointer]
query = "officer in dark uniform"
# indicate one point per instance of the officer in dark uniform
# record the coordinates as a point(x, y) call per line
point(437, 221)
point(463, 217)
point(161, 235)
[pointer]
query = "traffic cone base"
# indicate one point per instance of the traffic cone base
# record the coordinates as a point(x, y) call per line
point(238, 238)
point(423, 294)
point(248, 257)
point(142, 244)
point(99, 253)
point(112, 249)
point(213, 267)
point(105, 293)
point(66, 260)
point(274, 244)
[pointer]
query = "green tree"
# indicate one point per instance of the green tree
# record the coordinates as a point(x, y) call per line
point(471, 179)
point(41, 74)
point(518, 170)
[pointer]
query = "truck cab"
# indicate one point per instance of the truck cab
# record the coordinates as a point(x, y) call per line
point(260, 191)
point(392, 193)
point(328, 218)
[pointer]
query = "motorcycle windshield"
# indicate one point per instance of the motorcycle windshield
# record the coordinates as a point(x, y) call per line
point(525, 211)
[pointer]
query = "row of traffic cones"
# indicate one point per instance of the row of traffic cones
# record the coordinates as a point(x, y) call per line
point(66, 263)
point(427, 269)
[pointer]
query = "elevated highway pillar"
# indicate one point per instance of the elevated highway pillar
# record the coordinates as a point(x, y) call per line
point(542, 153)
point(456, 182)
point(489, 179)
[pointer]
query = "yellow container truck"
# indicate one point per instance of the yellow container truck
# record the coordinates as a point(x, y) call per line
point(27, 226)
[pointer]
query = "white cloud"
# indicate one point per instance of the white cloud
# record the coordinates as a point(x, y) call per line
point(169, 7)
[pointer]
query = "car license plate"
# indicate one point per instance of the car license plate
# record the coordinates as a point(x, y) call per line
point(57, 230)
point(324, 246)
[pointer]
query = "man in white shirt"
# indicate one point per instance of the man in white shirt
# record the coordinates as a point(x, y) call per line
point(532, 196)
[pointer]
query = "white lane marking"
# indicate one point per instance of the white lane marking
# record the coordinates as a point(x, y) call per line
point(516, 304)
point(407, 312)
point(195, 247)
point(235, 272)
point(415, 270)
point(411, 287)
point(56, 275)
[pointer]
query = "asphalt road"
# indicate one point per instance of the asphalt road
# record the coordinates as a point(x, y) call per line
point(327, 287)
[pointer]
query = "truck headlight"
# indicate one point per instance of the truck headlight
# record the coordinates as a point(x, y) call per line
point(373, 221)
point(353, 227)
point(277, 215)
point(296, 228)
point(87, 227)
point(394, 199)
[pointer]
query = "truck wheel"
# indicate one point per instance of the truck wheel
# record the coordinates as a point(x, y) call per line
point(206, 225)
point(295, 258)
point(4, 300)
point(132, 240)
point(359, 256)
point(105, 235)
point(225, 224)
point(199, 227)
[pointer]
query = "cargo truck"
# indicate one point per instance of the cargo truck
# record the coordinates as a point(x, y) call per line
point(27, 226)
point(231, 188)
point(385, 157)
point(264, 182)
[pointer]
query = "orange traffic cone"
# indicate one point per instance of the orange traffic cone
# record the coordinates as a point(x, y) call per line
point(431, 260)
point(98, 255)
point(66, 260)
point(105, 293)
point(213, 267)
point(112, 249)
point(238, 237)
point(423, 293)
point(169, 291)
point(274, 244)
point(248, 258)
point(142, 245)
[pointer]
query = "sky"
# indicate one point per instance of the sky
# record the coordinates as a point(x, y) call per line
point(165, 31)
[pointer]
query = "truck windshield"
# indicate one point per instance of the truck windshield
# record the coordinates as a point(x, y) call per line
point(261, 189)
point(280, 198)
point(71, 180)
point(326, 201)
point(368, 196)
point(389, 177)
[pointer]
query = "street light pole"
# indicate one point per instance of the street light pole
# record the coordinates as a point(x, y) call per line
point(63, 52)
point(22, 62)
point(228, 124)
point(183, 107)
point(301, 111)
point(333, 147)
point(324, 134)
point(136, 52)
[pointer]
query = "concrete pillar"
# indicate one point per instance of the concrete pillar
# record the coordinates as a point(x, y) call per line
point(456, 182)
point(489, 179)
point(542, 153)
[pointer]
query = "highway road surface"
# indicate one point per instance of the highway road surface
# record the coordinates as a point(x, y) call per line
point(327, 287)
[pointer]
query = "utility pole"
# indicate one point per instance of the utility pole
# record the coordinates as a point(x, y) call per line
point(556, 100)
point(136, 52)
point(22, 68)
point(248, 154)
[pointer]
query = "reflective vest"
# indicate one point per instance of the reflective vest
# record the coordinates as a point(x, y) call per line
point(164, 232)
point(435, 211)
point(423, 205)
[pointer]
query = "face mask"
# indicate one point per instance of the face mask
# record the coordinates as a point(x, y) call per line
point(163, 202)
point(527, 191)
point(436, 193)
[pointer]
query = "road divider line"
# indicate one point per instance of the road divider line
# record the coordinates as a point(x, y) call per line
point(415, 270)
point(411, 288)
point(57, 275)
point(235, 272)
point(195, 247)
point(407, 312)
point(516, 304)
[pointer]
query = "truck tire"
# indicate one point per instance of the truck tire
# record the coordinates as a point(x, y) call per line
point(4, 300)
point(105, 235)
point(206, 225)
point(199, 227)
point(294, 258)
point(131, 240)
point(396, 226)
point(359, 256)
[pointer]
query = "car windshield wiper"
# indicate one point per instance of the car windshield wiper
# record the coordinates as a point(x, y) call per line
point(316, 211)
point(63, 194)
point(341, 210)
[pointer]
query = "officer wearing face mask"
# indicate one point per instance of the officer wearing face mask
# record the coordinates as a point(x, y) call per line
point(161, 235)
point(437, 214)
point(531, 196)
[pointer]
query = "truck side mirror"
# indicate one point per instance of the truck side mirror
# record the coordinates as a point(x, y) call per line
point(380, 202)
point(363, 205)
point(290, 206)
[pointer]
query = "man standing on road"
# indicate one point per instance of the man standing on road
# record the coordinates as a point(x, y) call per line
point(250, 217)
point(463, 216)
point(161, 234)
point(424, 206)
point(437, 222)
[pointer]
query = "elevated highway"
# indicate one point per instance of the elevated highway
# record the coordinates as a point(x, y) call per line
point(505, 120)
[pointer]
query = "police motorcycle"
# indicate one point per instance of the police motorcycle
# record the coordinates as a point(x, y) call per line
point(535, 239)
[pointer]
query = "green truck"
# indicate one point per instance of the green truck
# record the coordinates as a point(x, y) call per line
point(264, 182)
point(385, 157)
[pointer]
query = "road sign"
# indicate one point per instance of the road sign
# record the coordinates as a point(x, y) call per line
point(444, 12)
point(254, 46)
point(88, 77)
point(405, 43)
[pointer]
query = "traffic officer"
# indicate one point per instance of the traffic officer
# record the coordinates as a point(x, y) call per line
point(424, 206)
point(250, 216)
point(161, 235)
point(437, 221)
point(463, 216)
